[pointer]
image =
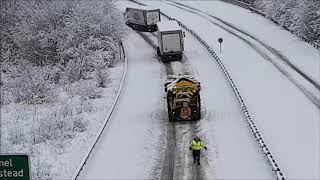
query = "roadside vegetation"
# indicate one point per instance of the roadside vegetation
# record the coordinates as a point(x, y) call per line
point(55, 62)
point(300, 16)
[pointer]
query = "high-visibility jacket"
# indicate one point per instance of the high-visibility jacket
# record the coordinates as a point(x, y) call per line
point(197, 145)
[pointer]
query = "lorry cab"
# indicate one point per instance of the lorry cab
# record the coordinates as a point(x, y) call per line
point(170, 41)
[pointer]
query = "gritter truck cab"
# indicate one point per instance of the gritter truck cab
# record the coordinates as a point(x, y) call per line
point(183, 98)
point(143, 19)
point(170, 41)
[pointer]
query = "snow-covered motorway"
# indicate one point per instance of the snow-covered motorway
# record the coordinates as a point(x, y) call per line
point(134, 143)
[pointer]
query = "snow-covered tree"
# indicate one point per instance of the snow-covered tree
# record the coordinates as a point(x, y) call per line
point(302, 17)
point(75, 39)
point(55, 58)
point(309, 22)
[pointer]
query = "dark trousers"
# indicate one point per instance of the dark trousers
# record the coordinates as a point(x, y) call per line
point(196, 155)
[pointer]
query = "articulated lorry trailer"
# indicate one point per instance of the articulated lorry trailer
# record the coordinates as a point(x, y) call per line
point(170, 41)
point(183, 98)
point(142, 19)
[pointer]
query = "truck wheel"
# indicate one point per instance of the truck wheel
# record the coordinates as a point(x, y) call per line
point(163, 60)
point(169, 111)
point(170, 119)
point(170, 116)
point(199, 110)
point(199, 114)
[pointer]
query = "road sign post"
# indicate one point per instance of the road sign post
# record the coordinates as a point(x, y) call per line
point(14, 167)
point(220, 40)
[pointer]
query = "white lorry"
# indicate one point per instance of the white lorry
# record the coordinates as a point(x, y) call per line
point(143, 19)
point(170, 41)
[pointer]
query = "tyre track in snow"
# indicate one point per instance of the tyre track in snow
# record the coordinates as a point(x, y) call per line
point(313, 98)
point(175, 164)
point(169, 157)
point(185, 131)
point(145, 37)
point(179, 134)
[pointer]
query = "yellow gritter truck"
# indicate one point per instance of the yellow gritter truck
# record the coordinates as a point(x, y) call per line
point(183, 98)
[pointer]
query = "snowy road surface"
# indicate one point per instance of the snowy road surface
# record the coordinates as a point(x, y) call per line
point(134, 143)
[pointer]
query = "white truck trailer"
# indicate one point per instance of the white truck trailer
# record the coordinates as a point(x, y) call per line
point(143, 19)
point(170, 41)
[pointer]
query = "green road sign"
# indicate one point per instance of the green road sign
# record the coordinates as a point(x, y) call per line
point(14, 167)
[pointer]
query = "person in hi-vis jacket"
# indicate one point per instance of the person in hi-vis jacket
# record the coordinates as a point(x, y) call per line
point(196, 145)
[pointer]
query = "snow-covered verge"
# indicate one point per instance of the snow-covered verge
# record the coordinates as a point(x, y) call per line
point(57, 135)
point(302, 17)
point(60, 71)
